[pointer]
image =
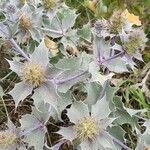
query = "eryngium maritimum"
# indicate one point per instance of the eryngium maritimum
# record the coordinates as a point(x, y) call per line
point(49, 4)
point(33, 74)
point(25, 22)
point(7, 139)
point(87, 128)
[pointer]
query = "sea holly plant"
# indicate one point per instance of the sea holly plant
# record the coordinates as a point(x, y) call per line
point(73, 100)
point(89, 130)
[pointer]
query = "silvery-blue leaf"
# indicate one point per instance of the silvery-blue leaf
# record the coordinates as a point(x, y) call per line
point(20, 92)
point(4, 31)
point(96, 75)
point(133, 112)
point(117, 132)
point(68, 78)
point(58, 145)
point(101, 48)
point(69, 17)
point(67, 133)
point(36, 139)
point(46, 92)
point(69, 63)
point(40, 55)
point(106, 141)
point(101, 109)
point(70, 39)
point(85, 32)
point(113, 66)
point(77, 111)
point(147, 125)
point(88, 145)
point(122, 116)
point(33, 127)
point(64, 100)
point(16, 66)
point(93, 90)
point(36, 34)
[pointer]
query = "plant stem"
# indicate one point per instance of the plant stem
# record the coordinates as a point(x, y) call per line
point(18, 49)
point(53, 31)
point(121, 144)
point(4, 106)
point(27, 132)
point(6, 76)
point(71, 78)
point(112, 57)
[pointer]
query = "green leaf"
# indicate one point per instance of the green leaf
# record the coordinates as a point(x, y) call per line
point(85, 32)
point(69, 63)
point(70, 39)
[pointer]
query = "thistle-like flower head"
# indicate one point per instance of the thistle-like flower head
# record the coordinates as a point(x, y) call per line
point(49, 4)
point(116, 22)
point(7, 138)
point(33, 74)
point(134, 40)
point(87, 128)
point(25, 22)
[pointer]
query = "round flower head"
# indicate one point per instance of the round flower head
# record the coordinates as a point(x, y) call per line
point(116, 22)
point(25, 22)
point(101, 28)
point(87, 128)
point(49, 4)
point(134, 40)
point(10, 139)
point(33, 74)
point(7, 139)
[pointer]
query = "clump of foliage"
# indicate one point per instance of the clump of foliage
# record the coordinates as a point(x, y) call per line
point(78, 80)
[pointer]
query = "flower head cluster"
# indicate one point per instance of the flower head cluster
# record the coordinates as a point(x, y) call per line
point(122, 20)
point(7, 139)
point(116, 22)
point(101, 28)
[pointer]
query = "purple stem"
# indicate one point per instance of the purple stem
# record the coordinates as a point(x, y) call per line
point(57, 146)
point(71, 78)
point(27, 132)
point(121, 144)
point(18, 49)
point(112, 57)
